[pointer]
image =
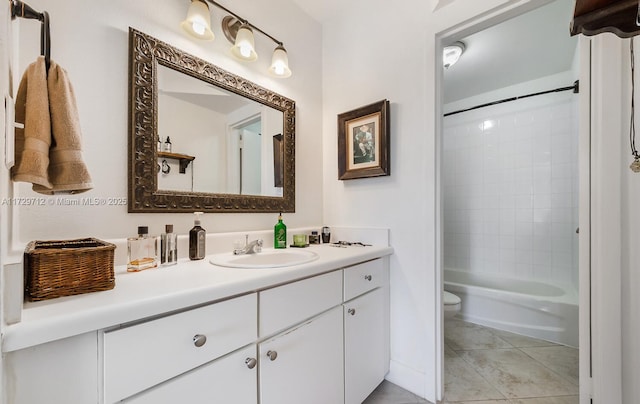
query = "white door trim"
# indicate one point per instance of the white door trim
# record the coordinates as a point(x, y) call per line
point(457, 32)
point(607, 134)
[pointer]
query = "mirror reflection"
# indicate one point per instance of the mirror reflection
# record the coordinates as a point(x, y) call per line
point(215, 141)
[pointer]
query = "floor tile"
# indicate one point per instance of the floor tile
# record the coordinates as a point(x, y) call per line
point(389, 393)
point(449, 353)
point(561, 359)
point(462, 382)
point(461, 335)
point(521, 341)
point(548, 400)
point(480, 402)
point(517, 375)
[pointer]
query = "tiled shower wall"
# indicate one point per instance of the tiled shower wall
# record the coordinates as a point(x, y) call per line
point(510, 189)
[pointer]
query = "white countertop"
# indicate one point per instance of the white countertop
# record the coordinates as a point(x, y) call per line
point(138, 295)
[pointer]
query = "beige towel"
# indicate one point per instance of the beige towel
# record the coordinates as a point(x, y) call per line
point(32, 143)
point(67, 171)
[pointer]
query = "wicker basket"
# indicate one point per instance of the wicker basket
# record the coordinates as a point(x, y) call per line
point(68, 267)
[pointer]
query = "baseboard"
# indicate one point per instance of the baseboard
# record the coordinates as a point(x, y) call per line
point(409, 379)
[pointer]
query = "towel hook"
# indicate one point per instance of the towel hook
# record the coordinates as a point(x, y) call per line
point(23, 10)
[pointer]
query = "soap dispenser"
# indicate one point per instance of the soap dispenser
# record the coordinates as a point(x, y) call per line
point(280, 234)
point(167, 145)
point(197, 239)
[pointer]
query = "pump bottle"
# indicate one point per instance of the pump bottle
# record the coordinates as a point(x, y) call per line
point(280, 234)
point(197, 239)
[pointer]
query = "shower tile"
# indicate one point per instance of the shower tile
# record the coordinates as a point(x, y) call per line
point(462, 382)
point(561, 359)
point(516, 375)
point(460, 335)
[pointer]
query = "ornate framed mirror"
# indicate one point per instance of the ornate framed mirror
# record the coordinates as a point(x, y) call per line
point(204, 139)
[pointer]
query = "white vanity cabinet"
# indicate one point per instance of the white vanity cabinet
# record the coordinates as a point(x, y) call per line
point(230, 379)
point(141, 356)
point(303, 363)
point(322, 339)
point(366, 329)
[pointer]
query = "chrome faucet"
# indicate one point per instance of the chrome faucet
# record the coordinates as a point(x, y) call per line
point(252, 247)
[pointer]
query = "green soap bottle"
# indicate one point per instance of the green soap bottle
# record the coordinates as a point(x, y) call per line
point(280, 234)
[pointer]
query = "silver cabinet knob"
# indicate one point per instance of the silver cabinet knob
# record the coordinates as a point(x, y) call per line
point(251, 362)
point(272, 355)
point(352, 312)
point(368, 277)
point(199, 340)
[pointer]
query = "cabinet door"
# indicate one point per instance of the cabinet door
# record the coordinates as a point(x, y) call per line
point(230, 379)
point(304, 364)
point(365, 359)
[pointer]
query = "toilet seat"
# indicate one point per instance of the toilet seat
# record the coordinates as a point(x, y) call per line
point(451, 304)
point(450, 299)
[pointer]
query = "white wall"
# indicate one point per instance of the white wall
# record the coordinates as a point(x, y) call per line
point(510, 189)
point(372, 50)
point(94, 51)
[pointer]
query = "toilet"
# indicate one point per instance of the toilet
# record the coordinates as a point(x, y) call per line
point(452, 304)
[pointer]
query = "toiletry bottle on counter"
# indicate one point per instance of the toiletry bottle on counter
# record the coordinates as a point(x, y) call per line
point(280, 234)
point(142, 251)
point(167, 145)
point(197, 239)
point(168, 246)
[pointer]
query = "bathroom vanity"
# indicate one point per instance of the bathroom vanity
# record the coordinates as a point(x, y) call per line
point(313, 333)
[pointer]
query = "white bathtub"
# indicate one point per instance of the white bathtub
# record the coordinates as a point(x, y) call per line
point(529, 308)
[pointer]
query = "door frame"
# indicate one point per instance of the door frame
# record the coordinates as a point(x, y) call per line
point(449, 35)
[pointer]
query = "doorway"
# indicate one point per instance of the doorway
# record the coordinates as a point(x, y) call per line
point(509, 197)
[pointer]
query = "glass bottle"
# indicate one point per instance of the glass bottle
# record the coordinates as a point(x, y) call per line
point(142, 251)
point(280, 234)
point(168, 246)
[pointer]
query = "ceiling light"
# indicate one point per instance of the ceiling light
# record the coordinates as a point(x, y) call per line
point(280, 63)
point(451, 54)
point(244, 47)
point(198, 21)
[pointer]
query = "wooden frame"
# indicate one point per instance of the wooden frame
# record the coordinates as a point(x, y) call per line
point(363, 142)
point(145, 54)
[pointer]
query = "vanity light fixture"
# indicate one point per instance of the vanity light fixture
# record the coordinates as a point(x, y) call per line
point(244, 46)
point(198, 21)
point(238, 31)
point(451, 54)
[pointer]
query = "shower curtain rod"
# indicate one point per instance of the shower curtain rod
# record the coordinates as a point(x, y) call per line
point(575, 87)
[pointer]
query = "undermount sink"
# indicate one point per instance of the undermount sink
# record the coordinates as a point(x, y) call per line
point(268, 258)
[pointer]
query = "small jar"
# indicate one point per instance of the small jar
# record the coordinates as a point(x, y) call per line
point(314, 238)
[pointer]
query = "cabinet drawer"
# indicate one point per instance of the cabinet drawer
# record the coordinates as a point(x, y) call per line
point(287, 305)
point(362, 278)
point(143, 355)
point(224, 380)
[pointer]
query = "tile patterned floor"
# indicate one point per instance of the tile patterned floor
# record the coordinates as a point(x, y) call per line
point(487, 366)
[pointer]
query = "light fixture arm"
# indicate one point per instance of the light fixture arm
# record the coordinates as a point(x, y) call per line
point(244, 21)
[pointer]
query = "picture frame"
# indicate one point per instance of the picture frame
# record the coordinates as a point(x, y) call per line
point(363, 142)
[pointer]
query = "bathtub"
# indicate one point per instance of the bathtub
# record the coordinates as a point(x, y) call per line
point(530, 308)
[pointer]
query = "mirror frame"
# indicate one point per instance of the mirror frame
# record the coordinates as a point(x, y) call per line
point(145, 53)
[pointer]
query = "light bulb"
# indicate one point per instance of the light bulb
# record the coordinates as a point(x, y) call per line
point(198, 28)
